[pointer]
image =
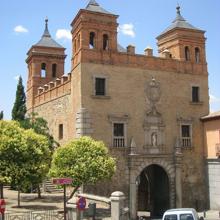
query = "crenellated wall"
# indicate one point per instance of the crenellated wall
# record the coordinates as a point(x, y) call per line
point(53, 90)
point(141, 61)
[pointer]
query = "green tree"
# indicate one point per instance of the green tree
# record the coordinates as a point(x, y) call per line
point(1, 115)
point(24, 155)
point(85, 160)
point(19, 108)
point(39, 125)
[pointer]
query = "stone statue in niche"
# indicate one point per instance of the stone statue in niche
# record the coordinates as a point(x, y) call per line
point(154, 139)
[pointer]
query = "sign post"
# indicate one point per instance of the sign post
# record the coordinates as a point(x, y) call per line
point(64, 182)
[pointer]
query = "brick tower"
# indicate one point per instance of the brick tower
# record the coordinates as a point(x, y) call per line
point(93, 28)
point(183, 41)
point(45, 63)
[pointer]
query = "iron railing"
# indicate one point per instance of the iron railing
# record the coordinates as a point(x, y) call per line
point(186, 142)
point(34, 215)
point(119, 142)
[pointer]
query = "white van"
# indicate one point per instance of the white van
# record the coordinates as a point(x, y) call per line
point(181, 214)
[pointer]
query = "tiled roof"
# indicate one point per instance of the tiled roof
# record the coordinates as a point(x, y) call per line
point(212, 115)
point(179, 22)
point(95, 7)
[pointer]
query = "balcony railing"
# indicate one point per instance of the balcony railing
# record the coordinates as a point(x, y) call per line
point(186, 142)
point(119, 142)
point(217, 149)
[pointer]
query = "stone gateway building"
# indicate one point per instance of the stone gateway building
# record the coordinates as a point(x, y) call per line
point(145, 108)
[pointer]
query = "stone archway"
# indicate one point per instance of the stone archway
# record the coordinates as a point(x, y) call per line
point(153, 190)
point(139, 164)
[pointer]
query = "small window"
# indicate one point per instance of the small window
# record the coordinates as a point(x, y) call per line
point(187, 53)
point(75, 46)
point(186, 135)
point(60, 131)
point(195, 94)
point(170, 217)
point(100, 86)
point(186, 217)
point(54, 70)
point(43, 70)
point(105, 42)
point(92, 40)
point(197, 55)
point(118, 135)
point(79, 41)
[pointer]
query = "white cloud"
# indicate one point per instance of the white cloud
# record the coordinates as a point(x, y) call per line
point(127, 29)
point(214, 99)
point(63, 34)
point(16, 77)
point(20, 29)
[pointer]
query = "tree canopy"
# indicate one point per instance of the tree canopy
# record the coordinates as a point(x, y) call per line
point(39, 125)
point(84, 160)
point(24, 155)
point(19, 108)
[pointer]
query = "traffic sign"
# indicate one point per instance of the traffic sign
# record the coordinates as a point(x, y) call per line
point(2, 206)
point(62, 181)
point(81, 203)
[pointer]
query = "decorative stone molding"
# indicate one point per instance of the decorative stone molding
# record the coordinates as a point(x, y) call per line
point(83, 123)
point(153, 124)
point(118, 117)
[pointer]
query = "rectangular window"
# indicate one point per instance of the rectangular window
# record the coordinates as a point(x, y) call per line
point(186, 135)
point(170, 217)
point(186, 217)
point(60, 131)
point(195, 94)
point(100, 85)
point(118, 135)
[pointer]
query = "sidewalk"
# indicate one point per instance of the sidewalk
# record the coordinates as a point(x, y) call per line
point(30, 202)
point(210, 214)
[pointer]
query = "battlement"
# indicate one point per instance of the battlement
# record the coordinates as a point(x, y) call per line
point(146, 61)
point(53, 90)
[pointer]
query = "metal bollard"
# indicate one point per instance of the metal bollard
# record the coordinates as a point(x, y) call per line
point(92, 210)
point(204, 214)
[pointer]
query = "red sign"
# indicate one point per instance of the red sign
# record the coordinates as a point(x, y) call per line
point(2, 206)
point(81, 203)
point(62, 181)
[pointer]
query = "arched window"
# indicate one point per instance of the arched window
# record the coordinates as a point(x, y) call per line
point(92, 40)
point(187, 53)
point(75, 45)
point(78, 41)
point(43, 70)
point(54, 70)
point(105, 42)
point(197, 55)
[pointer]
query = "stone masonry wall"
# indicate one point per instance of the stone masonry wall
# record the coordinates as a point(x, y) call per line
point(126, 96)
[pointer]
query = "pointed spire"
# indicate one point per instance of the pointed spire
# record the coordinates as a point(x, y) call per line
point(46, 31)
point(46, 39)
point(93, 2)
point(179, 17)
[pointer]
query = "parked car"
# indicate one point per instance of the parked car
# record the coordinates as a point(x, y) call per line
point(181, 214)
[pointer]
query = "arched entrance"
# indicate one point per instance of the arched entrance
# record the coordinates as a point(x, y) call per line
point(153, 190)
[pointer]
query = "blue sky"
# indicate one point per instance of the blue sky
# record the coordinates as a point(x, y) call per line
point(22, 24)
